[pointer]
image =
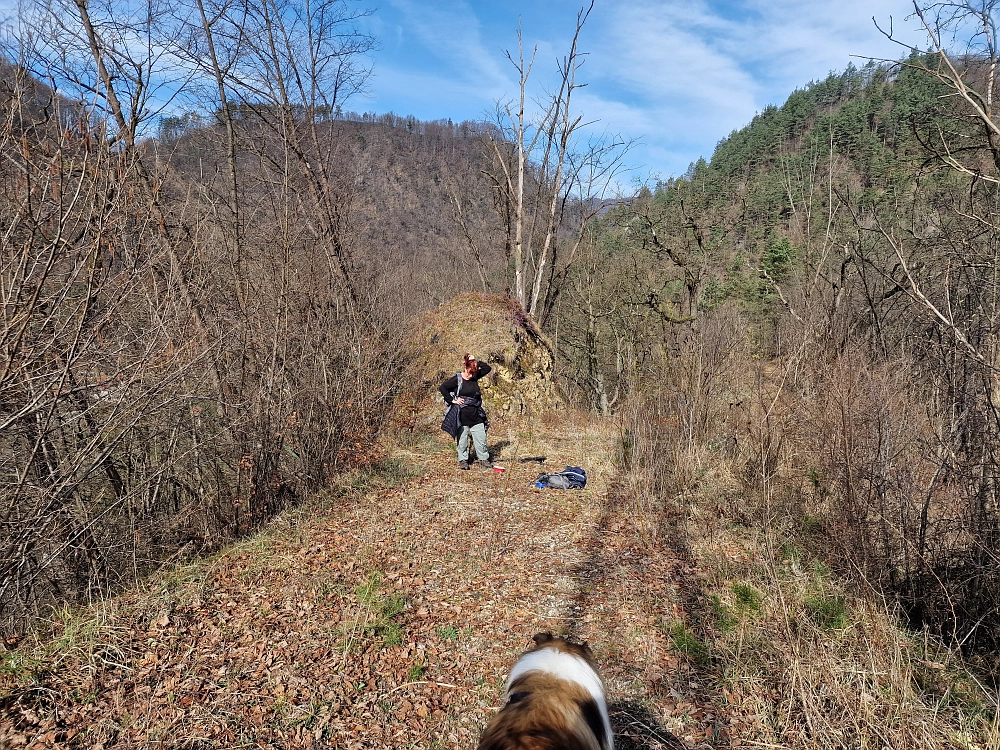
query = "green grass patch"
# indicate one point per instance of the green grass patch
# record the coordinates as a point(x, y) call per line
point(684, 641)
point(447, 632)
point(790, 552)
point(725, 620)
point(748, 599)
point(820, 570)
point(391, 634)
point(367, 591)
point(19, 665)
point(417, 671)
point(828, 611)
point(385, 610)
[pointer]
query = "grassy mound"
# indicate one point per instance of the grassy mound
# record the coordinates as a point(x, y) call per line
point(495, 330)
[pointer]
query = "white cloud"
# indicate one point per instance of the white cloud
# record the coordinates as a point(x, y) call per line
point(661, 55)
point(777, 40)
point(679, 74)
point(822, 36)
point(691, 72)
point(454, 36)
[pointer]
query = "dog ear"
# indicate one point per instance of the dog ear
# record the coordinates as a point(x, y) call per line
point(540, 638)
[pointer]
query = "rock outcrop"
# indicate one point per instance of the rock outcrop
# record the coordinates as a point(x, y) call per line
point(496, 330)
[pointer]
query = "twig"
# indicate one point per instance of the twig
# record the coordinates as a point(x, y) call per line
point(781, 296)
point(420, 682)
point(636, 722)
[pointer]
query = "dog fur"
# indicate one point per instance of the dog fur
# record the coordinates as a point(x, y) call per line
point(555, 701)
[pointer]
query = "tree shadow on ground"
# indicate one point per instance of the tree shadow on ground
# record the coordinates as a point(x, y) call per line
point(496, 453)
point(636, 728)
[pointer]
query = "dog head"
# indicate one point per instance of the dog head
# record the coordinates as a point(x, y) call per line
point(565, 645)
point(555, 701)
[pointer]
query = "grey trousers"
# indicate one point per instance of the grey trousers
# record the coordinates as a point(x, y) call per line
point(478, 439)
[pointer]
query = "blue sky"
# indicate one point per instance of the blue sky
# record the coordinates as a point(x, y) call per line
point(677, 74)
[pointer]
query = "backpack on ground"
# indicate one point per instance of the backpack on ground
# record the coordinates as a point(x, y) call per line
point(570, 478)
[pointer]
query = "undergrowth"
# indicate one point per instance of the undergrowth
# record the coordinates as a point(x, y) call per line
point(88, 637)
point(808, 660)
point(802, 658)
point(799, 655)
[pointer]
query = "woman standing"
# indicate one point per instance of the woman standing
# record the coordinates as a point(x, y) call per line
point(461, 392)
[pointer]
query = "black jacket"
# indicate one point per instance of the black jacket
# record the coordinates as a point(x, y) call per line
point(472, 410)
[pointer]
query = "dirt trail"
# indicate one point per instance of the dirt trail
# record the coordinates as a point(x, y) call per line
point(385, 617)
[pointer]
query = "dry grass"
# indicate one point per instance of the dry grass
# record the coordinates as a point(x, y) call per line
point(386, 613)
point(807, 661)
point(797, 656)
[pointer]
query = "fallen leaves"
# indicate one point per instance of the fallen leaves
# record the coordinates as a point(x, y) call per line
point(379, 622)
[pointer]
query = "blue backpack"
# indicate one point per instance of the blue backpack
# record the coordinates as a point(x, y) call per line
point(570, 478)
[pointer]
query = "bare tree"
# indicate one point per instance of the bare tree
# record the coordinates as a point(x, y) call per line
point(298, 63)
point(80, 386)
point(545, 177)
point(151, 405)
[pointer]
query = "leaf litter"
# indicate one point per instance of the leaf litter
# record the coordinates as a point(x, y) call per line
point(385, 617)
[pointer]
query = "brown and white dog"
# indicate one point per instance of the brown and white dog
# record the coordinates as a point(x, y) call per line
point(555, 701)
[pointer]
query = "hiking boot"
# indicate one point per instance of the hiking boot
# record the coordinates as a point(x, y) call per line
point(463, 465)
point(487, 465)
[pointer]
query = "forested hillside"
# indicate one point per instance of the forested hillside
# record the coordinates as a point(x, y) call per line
point(408, 186)
point(783, 363)
point(844, 241)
